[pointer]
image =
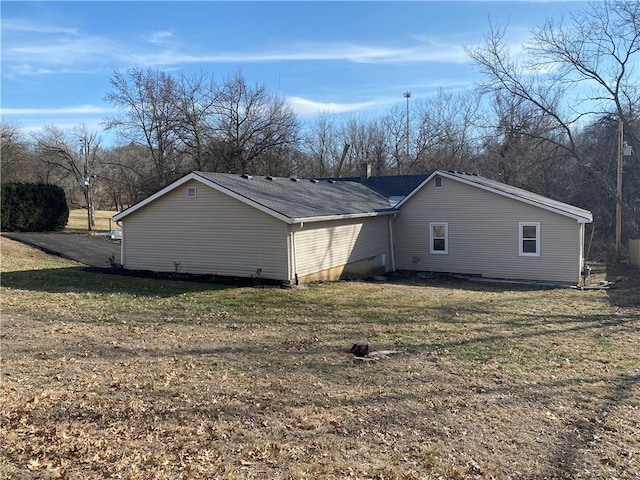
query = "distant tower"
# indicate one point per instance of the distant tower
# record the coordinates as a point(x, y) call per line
point(407, 95)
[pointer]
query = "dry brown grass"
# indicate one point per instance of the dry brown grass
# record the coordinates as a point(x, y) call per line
point(115, 377)
point(78, 221)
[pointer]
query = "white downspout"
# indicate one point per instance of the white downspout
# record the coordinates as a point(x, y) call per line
point(391, 246)
point(121, 245)
point(293, 251)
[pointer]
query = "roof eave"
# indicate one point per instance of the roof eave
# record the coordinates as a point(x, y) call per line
point(119, 216)
point(195, 176)
point(199, 178)
point(347, 216)
point(586, 218)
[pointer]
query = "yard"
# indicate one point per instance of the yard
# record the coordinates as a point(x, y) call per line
point(107, 376)
point(77, 222)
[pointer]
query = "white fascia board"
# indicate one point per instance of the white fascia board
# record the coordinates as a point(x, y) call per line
point(349, 216)
point(243, 199)
point(158, 194)
point(207, 182)
point(587, 218)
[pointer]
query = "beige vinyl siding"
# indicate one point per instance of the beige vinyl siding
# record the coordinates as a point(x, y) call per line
point(209, 234)
point(483, 235)
point(324, 245)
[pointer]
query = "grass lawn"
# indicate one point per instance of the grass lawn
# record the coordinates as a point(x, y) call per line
point(77, 222)
point(106, 376)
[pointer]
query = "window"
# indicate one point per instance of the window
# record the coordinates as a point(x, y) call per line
point(437, 182)
point(192, 192)
point(439, 238)
point(529, 238)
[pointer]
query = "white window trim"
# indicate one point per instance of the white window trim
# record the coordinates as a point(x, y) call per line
point(192, 189)
point(520, 239)
point(435, 182)
point(446, 238)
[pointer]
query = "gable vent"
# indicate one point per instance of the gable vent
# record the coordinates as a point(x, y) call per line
point(248, 177)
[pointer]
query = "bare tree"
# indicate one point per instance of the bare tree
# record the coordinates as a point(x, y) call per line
point(445, 132)
point(250, 123)
point(395, 124)
point(368, 144)
point(146, 100)
point(125, 175)
point(18, 164)
point(196, 101)
point(70, 160)
point(323, 146)
point(515, 149)
point(575, 70)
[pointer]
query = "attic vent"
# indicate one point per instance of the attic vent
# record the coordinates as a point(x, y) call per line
point(313, 180)
point(294, 179)
point(248, 177)
point(437, 182)
point(269, 177)
point(192, 192)
point(331, 181)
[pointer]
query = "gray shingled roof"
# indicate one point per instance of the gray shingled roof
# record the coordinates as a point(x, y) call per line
point(306, 199)
point(392, 185)
point(524, 195)
point(303, 198)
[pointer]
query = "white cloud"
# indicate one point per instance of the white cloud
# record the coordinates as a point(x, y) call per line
point(32, 48)
point(160, 38)
point(421, 53)
point(31, 27)
point(75, 110)
point(37, 49)
point(303, 106)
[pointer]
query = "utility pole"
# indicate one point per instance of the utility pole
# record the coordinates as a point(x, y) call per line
point(86, 182)
point(407, 95)
point(624, 150)
point(619, 191)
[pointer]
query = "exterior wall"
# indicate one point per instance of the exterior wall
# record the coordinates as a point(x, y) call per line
point(325, 250)
point(209, 234)
point(483, 236)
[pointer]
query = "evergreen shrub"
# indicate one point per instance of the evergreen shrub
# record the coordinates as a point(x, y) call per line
point(30, 207)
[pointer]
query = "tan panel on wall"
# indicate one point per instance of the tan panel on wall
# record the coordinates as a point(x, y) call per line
point(209, 233)
point(325, 245)
point(483, 230)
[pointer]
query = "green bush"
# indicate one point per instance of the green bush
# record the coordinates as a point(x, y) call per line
point(29, 207)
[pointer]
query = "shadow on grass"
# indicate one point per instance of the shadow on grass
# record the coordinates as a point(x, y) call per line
point(627, 285)
point(94, 280)
point(471, 284)
point(566, 455)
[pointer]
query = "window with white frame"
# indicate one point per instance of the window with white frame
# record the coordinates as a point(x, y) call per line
point(439, 238)
point(437, 182)
point(529, 238)
point(192, 192)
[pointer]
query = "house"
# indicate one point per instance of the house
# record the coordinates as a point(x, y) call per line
point(297, 231)
point(291, 230)
point(461, 223)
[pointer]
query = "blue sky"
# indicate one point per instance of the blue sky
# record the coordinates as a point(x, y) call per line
point(343, 57)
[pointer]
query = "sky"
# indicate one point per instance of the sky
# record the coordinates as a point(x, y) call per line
point(346, 58)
